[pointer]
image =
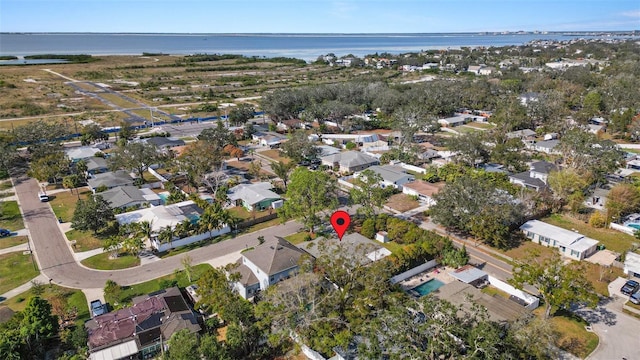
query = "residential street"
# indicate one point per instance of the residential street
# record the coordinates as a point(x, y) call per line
point(56, 261)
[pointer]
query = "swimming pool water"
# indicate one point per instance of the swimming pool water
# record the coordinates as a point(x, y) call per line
point(427, 287)
point(635, 226)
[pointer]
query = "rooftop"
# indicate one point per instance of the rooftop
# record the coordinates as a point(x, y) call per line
point(363, 249)
point(570, 239)
point(252, 193)
point(111, 179)
point(350, 159)
point(390, 173)
point(424, 187)
point(122, 196)
point(274, 256)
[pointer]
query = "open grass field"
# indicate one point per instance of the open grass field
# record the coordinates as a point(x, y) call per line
point(611, 239)
point(600, 276)
point(478, 125)
point(103, 262)
point(527, 247)
point(64, 203)
point(84, 240)
point(10, 217)
point(10, 241)
point(16, 269)
point(5, 185)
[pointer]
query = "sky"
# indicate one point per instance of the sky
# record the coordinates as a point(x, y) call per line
point(317, 16)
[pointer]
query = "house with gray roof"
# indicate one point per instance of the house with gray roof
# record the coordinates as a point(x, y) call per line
point(455, 121)
point(571, 244)
point(76, 154)
point(256, 196)
point(163, 143)
point(536, 177)
point(361, 248)
point(265, 265)
point(350, 161)
point(123, 197)
point(110, 180)
point(546, 146)
point(393, 176)
point(96, 165)
point(525, 134)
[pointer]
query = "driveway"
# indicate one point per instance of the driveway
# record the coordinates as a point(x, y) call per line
point(56, 261)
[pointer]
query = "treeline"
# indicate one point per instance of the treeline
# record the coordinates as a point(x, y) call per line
point(76, 59)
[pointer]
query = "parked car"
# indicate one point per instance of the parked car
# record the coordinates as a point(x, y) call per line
point(4, 233)
point(43, 197)
point(635, 297)
point(97, 308)
point(630, 287)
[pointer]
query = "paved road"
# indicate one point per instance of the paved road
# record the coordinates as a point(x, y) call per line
point(56, 261)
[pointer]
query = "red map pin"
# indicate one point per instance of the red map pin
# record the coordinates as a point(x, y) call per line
point(340, 221)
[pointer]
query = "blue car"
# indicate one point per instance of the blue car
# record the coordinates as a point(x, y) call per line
point(4, 233)
point(630, 287)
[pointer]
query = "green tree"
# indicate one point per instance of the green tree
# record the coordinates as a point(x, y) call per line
point(470, 148)
point(166, 235)
point(43, 138)
point(126, 133)
point(39, 325)
point(199, 159)
point(568, 184)
point(282, 170)
point(218, 137)
point(91, 133)
point(255, 167)
point(622, 200)
point(112, 292)
point(559, 284)
point(308, 195)
point(135, 156)
point(241, 114)
point(299, 147)
point(93, 214)
point(584, 152)
point(368, 193)
point(369, 228)
point(72, 182)
point(50, 167)
point(183, 345)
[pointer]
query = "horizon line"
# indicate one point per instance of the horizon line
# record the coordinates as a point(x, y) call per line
point(321, 33)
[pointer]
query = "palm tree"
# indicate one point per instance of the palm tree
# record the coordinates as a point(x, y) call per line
point(184, 228)
point(145, 229)
point(282, 171)
point(166, 235)
point(209, 220)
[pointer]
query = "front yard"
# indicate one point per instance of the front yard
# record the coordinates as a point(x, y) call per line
point(16, 269)
point(64, 203)
point(611, 239)
point(74, 298)
point(11, 241)
point(84, 240)
point(402, 202)
point(10, 217)
point(275, 155)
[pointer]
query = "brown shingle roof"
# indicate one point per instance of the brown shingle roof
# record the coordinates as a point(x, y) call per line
point(424, 188)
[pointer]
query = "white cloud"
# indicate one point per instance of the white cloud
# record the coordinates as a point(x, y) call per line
point(342, 9)
point(632, 14)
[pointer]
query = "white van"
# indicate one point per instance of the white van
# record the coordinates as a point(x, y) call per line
point(43, 197)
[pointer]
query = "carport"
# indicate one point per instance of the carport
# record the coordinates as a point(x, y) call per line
point(471, 275)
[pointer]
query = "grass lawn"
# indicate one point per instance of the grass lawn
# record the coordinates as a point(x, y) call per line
point(11, 241)
point(402, 202)
point(103, 262)
point(493, 291)
point(595, 272)
point(297, 238)
point(180, 279)
point(149, 177)
point(74, 298)
point(6, 194)
point(11, 218)
point(465, 129)
point(521, 251)
point(85, 240)
point(15, 269)
point(479, 125)
point(275, 155)
point(393, 246)
point(243, 214)
point(572, 335)
point(611, 239)
point(263, 225)
point(64, 203)
point(5, 184)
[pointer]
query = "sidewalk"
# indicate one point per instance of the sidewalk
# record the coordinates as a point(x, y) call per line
point(24, 287)
point(17, 248)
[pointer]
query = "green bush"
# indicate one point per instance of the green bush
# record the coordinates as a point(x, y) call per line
point(369, 228)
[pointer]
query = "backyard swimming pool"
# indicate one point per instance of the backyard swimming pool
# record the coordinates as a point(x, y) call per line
point(428, 287)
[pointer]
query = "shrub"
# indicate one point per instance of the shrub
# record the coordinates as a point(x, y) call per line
point(597, 220)
point(369, 228)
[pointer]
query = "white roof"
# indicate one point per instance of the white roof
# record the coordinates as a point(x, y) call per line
point(116, 352)
point(82, 152)
point(567, 238)
point(454, 119)
point(350, 159)
point(378, 254)
point(252, 193)
point(158, 216)
point(149, 195)
point(632, 262)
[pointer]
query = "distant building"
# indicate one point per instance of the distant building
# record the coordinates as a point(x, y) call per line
point(163, 143)
point(142, 330)
point(110, 180)
point(350, 161)
point(391, 175)
point(455, 121)
point(123, 197)
point(536, 177)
